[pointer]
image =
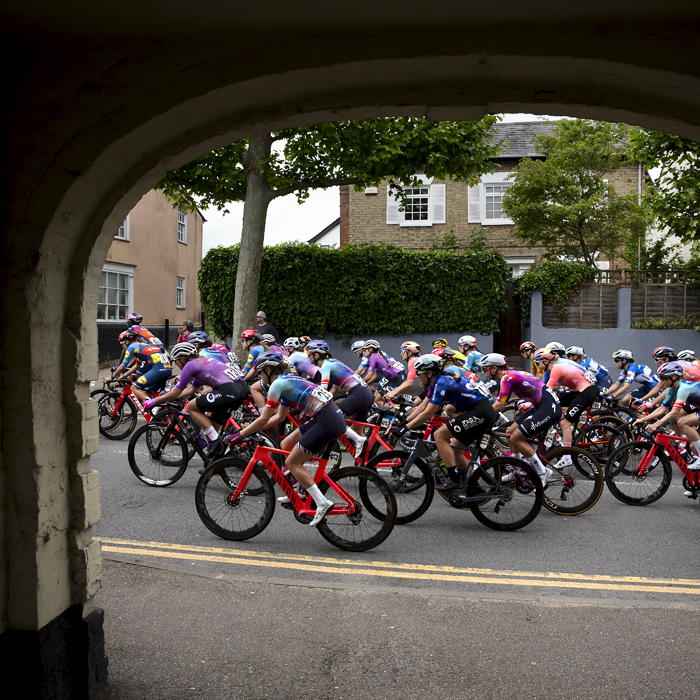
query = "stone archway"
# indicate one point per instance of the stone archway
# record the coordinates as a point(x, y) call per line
point(93, 121)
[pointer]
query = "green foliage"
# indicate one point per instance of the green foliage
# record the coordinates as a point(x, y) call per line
point(362, 289)
point(450, 241)
point(558, 282)
point(673, 196)
point(666, 324)
point(564, 203)
point(362, 153)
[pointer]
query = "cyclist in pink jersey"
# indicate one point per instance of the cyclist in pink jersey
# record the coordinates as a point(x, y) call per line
point(581, 385)
point(410, 352)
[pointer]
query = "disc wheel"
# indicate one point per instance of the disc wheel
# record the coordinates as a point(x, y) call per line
point(576, 484)
point(415, 494)
point(375, 510)
point(239, 519)
point(119, 425)
point(156, 457)
point(632, 485)
point(514, 493)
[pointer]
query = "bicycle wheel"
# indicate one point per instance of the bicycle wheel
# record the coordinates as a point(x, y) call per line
point(375, 510)
point(154, 460)
point(122, 423)
point(415, 495)
point(239, 519)
point(600, 440)
point(575, 487)
point(515, 489)
point(627, 484)
point(620, 424)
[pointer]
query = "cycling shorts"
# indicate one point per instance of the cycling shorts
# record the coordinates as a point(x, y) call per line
point(356, 403)
point(222, 400)
point(546, 412)
point(154, 379)
point(325, 425)
point(471, 425)
point(640, 392)
point(579, 401)
point(604, 382)
point(385, 385)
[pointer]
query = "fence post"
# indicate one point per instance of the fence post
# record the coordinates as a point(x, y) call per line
point(167, 332)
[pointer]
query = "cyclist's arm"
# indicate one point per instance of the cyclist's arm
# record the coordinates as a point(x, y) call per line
point(657, 388)
point(421, 415)
point(673, 414)
point(371, 378)
point(174, 393)
point(624, 389)
point(613, 388)
point(400, 389)
point(660, 411)
point(269, 417)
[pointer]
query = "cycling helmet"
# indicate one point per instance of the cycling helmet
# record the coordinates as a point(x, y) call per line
point(664, 352)
point(575, 350)
point(468, 340)
point(123, 336)
point(438, 351)
point(304, 339)
point(527, 345)
point(198, 338)
point(357, 345)
point(439, 343)
point(623, 355)
point(426, 363)
point(558, 348)
point(251, 334)
point(454, 355)
point(269, 359)
point(371, 345)
point(687, 356)
point(292, 342)
point(134, 317)
point(670, 370)
point(543, 354)
point(319, 346)
point(410, 346)
point(267, 338)
point(181, 350)
point(493, 359)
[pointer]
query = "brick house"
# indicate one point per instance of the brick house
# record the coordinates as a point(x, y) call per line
point(440, 207)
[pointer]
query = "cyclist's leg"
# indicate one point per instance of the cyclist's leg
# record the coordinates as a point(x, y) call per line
point(358, 400)
point(258, 393)
point(580, 402)
point(545, 413)
point(150, 381)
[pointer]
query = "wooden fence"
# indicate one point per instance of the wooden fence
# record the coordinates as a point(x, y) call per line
point(664, 301)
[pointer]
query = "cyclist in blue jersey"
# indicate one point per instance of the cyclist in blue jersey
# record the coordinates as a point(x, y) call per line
point(576, 354)
point(250, 340)
point(630, 372)
point(358, 349)
point(475, 414)
point(467, 346)
point(152, 364)
point(327, 421)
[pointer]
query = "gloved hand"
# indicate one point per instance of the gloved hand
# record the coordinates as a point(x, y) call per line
point(608, 399)
point(398, 430)
point(233, 439)
point(646, 406)
point(148, 403)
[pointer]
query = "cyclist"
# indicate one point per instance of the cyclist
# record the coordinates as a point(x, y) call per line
point(269, 342)
point(630, 371)
point(453, 363)
point(357, 349)
point(298, 359)
point(215, 352)
point(467, 346)
point(393, 372)
point(439, 343)
point(688, 356)
point(655, 395)
point(336, 376)
point(545, 411)
point(581, 391)
point(228, 390)
point(556, 348)
point(410, 352)
point(475, 414)
point(326, 422)
point(527, 350)
point(576, 354)
point(250, 339)
point(152, 363)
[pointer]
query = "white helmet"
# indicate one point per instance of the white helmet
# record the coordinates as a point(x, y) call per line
point(291, 342)
point(493, 359)
point(687, 355)
point(575, 350)
point(371, 344)
point(468, 340)
point(427, 362)
point(183, 350)
point(357, 345)
point(623, 355)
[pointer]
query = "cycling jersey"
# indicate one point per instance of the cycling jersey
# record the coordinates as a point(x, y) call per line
point(389, 367)
point(562, 362)
point(571, 375)
point(364, 363)
point(412, 368)
point(145, 353)
point(145, 336)
point(641, 374)
point(207, 372)
point(215, 354)
point(462, 393)
point(335, 373)
point(473, 358)
point(295, 392)
point(252, 354)
point(457, 372)
point(691, 371)
point(589, 364)
point(299, 364)
point(521, 384)
point(232, 357)
point(686, 392)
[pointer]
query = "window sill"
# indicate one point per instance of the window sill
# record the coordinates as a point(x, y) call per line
point(182, 242)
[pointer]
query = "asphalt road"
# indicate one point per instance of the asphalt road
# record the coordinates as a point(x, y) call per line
point(614, 552)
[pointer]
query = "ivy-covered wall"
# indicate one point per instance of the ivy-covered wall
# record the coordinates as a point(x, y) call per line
point(361, 290)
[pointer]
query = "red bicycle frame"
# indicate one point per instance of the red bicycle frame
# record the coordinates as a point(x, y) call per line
point(126, 391)
point(665, 441)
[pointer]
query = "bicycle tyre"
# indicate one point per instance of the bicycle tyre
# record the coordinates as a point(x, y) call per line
point(151, 467)
point(245, 518)
point(414, 499)
point(600, 440)
point(522, 501)
point(619, 423)
point(376, 503)
point(573, 488)
point(123, 423)
point(626, 486)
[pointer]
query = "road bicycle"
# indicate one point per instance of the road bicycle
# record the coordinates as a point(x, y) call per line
point(235, 499)
point(118, 411)
point(639, 473)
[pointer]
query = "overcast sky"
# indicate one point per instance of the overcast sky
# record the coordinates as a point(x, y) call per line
point(287, 220)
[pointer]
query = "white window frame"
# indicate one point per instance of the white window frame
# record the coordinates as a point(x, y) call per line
point(125, 229)
point(127, 270)
point(182, 227)
point(436, 206)
point(494, 179)
point(519, 263)
point(180, 293)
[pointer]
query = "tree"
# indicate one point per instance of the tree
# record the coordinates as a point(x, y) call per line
point(673, 197)
point(360, 153)
point(564, 203)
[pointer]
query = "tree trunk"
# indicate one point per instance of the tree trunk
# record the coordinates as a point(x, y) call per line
point(257, 199)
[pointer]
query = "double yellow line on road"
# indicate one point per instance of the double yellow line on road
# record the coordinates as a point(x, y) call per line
point(380, 569)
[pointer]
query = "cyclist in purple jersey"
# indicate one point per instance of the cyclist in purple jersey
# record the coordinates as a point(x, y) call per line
point(335, 376)
point(326, 422)
point(392, 372)
point(227, 394)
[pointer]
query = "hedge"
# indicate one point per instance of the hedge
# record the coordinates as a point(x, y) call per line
point(361, 289)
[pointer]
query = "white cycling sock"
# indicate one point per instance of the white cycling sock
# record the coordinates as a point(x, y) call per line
point(349, 432)
point(696, 445)
point(536, 463)
point(517, 455)
point(316, 494)
point(211, 433)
